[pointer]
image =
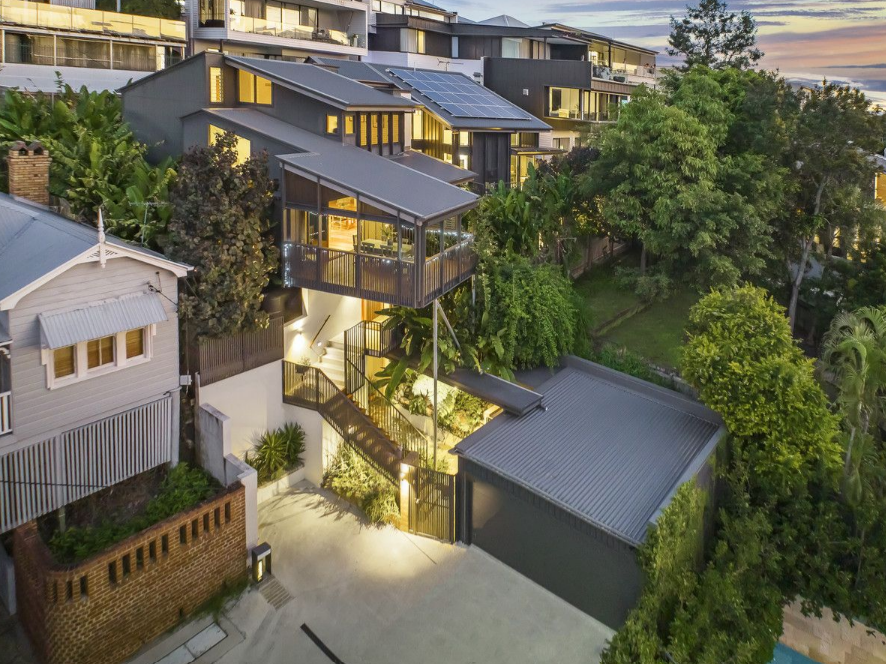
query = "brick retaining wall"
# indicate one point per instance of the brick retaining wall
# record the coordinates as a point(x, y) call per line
point(105, 608)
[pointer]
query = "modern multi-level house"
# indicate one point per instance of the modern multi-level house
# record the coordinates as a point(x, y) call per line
point(280, 30)
point(460, 121)
point(99, 49)
point(89, 352)
point(561, 75)
point(363, 219)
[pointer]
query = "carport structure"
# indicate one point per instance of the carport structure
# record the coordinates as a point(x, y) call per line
point(566, 493)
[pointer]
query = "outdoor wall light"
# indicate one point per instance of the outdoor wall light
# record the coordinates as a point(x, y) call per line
point(261, 561)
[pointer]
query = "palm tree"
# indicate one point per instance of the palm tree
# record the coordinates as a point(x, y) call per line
point(855, 352)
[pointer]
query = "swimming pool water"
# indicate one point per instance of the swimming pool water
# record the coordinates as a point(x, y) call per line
point(784, 655)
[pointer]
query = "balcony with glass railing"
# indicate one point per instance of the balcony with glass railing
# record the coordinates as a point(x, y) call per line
point(74, 19)
point(292, 30)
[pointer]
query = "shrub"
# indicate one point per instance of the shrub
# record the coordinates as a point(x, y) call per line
point(277, 451)
point(182, 488)
point(628, 362)
point(354, 478)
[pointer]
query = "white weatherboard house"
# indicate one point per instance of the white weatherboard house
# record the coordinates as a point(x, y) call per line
point(89, 356)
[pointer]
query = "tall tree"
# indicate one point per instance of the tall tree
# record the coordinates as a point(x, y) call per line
point(220, 224)
point(834, 133)
point(662, 182)
point(711, 35)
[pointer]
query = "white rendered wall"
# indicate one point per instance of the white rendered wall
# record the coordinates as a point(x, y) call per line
point(344, 312)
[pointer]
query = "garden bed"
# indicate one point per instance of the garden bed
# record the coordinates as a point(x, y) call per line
point(99, 521)
point(273, 488)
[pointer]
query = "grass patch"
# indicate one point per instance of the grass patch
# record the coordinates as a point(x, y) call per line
point(657, 332)
point(599, 288)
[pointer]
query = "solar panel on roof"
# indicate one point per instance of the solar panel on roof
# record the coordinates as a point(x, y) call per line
point(459, 96)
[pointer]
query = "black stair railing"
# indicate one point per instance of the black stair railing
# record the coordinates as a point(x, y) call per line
point(372, 338)
point(309, 387)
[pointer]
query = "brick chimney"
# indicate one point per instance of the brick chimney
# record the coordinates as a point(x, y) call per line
point(29, 172)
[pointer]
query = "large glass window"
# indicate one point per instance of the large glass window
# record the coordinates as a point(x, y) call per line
point(407, 243)
point(364, 129)
point(511, 48)
point(303, 227)
point(564, 103)
point(395, 128)
point(331, 124)
point(373, 132)
point(412, 41)
point(254, 89)
point(378, 238)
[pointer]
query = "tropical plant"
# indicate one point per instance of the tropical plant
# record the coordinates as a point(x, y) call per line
point(277, 451)
point(221, 225)
point(351, 476)
point(711, 35)
point(96, 161)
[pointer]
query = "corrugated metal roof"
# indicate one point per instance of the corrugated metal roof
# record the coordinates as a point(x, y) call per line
point(354, 69)
point(378, 178)
point(101, 319)
point(35, 241)
point(606, 447)
point(336, 89)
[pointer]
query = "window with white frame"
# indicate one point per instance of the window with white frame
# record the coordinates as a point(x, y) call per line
point(86, 359)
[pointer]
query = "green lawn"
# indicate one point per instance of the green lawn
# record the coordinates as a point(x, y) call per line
point(657, 332)
point(604, 296)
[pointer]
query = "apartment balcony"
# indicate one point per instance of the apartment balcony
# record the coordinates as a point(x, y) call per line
point(283, 30)
point(626, 73)
point(375, 273)
point(74, 19)
point(332, 26)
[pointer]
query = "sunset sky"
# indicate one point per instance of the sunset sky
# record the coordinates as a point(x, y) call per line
point(805, 39)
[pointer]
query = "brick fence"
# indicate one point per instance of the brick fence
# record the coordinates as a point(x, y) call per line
point(104, 609)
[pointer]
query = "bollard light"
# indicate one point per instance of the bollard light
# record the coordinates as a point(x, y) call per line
point(261, 561)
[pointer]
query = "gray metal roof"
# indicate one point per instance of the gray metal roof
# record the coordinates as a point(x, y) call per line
point(378, 178)
point(504, 20)
point(340, 91)
point(101, 319)
point(608, 448)
point(35, 241)
point(354, 69)
point(436, 168)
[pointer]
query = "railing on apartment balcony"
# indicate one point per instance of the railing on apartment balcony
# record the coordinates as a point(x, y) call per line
point(5, 413)
point(38, 14)
point(218, 358)
point(262, 26)
point(309, 387)
point(368, 397)
point(379, 278)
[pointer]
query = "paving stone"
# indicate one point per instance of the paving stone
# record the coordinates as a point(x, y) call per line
point(209, 637)
point(180, 655)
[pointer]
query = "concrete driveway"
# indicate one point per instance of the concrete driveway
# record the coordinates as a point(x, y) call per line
point(379, 596)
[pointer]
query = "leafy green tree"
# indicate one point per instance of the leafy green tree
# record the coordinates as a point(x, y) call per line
point(96, 161)
point(662, 183)
point(712, 36)
point(221, 225)
point(833, 135)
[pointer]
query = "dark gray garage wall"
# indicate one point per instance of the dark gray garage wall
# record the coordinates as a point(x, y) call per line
point(588, 568)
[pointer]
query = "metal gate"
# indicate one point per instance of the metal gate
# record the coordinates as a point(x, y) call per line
point(431, 503)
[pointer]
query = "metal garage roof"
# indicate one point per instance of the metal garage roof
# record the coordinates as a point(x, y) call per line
point(102, 319)
point(606, 447)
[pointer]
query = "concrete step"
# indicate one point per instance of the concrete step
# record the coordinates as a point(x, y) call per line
point(334, 354)
point(337, 343)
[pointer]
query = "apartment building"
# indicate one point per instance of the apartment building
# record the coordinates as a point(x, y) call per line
point(279, 30)
point(102, 50)
point(561, 75)
point(89, 352)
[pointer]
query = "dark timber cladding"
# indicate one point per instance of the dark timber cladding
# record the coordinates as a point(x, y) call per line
point(565, 494)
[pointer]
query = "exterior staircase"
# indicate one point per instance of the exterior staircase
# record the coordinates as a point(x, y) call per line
point(332, 362)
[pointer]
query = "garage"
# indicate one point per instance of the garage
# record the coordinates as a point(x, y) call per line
point(566, 493)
